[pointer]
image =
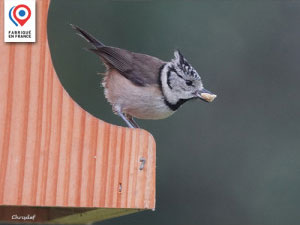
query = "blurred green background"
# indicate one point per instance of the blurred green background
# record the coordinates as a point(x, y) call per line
point(233, 161)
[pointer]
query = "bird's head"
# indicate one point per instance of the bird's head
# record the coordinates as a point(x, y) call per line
point(181, 82)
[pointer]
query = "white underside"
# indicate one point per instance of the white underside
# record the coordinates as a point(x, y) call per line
point(140, 102)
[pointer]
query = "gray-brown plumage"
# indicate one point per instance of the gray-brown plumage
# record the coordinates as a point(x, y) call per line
point(145, 87)
point(131, 65)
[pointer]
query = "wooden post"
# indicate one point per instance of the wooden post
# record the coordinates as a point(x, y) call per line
point(57, 162)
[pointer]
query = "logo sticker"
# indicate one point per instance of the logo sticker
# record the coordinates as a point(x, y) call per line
point(19, 21)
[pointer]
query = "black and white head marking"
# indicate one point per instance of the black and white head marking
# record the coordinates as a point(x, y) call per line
point(179, 81)
point(183, 65)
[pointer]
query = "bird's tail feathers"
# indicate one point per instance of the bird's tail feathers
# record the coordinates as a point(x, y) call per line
point(88, 37)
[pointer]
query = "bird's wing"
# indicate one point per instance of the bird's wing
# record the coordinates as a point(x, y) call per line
point(141, 69)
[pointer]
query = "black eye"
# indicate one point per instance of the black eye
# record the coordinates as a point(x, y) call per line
point(189, 82)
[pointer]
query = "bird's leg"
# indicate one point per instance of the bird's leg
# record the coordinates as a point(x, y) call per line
point(127, 121)
point(130, 118)
point(127, 118)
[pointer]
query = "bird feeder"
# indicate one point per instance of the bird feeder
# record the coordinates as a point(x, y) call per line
point(58, 163)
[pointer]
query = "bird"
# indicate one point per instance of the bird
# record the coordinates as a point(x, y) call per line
point(145, 87)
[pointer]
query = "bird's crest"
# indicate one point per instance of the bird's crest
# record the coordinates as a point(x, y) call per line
point(182, 64)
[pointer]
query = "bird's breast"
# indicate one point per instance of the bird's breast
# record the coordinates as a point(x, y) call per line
point(138, 101)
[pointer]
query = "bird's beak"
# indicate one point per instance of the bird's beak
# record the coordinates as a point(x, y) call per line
point(206, 95)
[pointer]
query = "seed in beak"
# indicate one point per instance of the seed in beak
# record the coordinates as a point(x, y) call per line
point(208, 97)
